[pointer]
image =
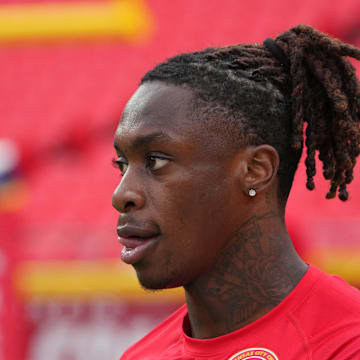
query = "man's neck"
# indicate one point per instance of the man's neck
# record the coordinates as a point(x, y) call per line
point(254, 272)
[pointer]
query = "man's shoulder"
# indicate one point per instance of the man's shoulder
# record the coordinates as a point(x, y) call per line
point(330, 292)
point(329, 313)
point(165, 335)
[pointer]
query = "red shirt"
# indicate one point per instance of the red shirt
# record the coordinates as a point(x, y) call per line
point(318, 320)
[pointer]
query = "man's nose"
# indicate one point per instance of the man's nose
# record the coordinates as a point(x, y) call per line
point(128, 196)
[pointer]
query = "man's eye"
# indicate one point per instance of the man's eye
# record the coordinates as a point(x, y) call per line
point(123, 167)
point(156, 163)
point(120, 164)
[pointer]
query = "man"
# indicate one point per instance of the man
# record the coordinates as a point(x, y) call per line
point(208, 147)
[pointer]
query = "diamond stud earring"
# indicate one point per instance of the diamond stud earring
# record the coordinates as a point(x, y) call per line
point(252, 192)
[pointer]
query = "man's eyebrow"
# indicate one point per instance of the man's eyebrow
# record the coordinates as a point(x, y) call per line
point(147, 139)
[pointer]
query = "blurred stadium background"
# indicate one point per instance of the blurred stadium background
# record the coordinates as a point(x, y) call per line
point(67, 67)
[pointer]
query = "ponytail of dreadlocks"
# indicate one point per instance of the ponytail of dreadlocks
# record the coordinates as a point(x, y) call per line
point(251, 95)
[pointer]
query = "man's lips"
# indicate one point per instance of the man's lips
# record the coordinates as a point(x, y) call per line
point(137, 241)
point(129, 231)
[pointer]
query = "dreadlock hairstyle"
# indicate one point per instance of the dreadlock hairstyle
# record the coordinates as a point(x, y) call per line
point(271, 90)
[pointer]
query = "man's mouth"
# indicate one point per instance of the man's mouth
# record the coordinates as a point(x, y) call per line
point(137, 242)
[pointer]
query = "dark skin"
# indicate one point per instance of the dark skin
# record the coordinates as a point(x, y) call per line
point(231, 252)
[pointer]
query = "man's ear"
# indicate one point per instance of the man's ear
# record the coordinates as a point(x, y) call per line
point(257, 168)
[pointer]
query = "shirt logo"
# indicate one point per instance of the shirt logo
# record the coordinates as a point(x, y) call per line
point(254, 354)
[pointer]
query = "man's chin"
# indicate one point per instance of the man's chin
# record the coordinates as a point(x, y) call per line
point(157, 283)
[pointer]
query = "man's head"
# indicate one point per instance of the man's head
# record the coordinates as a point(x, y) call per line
point(205, 128)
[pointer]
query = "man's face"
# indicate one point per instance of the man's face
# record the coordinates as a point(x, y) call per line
point(177, 194)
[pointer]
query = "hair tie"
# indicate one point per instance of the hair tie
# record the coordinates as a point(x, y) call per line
point(277, 52)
